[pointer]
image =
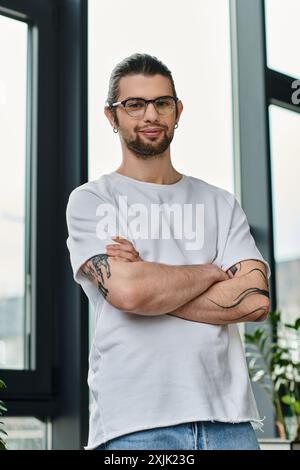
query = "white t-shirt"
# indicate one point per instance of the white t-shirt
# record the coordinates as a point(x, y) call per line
point(153, 371)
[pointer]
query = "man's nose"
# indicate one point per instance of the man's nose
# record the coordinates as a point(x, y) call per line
point(150, 113)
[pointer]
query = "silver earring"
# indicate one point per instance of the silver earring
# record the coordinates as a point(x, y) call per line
point(115, 130)
point(176, 125)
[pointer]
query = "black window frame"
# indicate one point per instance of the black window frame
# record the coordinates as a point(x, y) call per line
point(41, 140)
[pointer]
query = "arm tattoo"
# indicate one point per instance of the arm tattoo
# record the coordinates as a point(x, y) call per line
point(89, 273)
point(235, 268)
point(243, 295)
point(261, 272)
point(94, 271)
point(250, 291)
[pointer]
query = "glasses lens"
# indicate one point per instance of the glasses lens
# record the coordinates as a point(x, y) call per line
point(135, 108)
point(164, 105)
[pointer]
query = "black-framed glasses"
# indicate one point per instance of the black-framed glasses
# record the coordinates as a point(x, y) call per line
point(136, 107)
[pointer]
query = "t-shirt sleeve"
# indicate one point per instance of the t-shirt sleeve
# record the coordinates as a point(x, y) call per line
point(82, 216)
point(239, 243)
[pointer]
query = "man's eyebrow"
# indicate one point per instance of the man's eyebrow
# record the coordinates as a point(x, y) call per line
point(133, 98)
point(141, 98)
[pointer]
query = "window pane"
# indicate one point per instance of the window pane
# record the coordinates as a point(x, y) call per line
point(13, 72)
point(199, 60)
point(282, 30)
point(26, 433)
point(285, 146)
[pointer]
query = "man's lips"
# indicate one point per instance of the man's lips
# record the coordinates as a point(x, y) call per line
point(152, 132)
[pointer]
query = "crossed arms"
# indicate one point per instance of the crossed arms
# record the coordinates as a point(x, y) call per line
point(202, 293)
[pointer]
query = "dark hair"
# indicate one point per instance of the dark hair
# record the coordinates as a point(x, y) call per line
point(144, 64)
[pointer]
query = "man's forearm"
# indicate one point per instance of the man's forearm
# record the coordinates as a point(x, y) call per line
point(240, 299)
point(161, 288)
point(149, 288)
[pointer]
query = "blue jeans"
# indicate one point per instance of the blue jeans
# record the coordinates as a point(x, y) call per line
point(196, 435)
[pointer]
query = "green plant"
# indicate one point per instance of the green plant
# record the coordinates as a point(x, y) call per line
point(2, 431)
point(276, 367)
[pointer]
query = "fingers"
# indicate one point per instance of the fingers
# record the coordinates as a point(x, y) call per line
point(122, 240)
point(120, 258)
point(129, 255)
point(124, 248)
point(124, 244)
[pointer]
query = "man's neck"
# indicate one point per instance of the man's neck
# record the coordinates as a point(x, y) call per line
point(150, 175)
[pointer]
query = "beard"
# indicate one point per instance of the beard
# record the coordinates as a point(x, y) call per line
point(143, 149)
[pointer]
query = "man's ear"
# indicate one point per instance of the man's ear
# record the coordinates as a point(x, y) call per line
point(179, 105)
point(109, 115)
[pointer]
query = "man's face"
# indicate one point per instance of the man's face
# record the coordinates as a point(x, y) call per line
point(131, 129)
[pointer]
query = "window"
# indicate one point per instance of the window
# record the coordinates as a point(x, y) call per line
point(27, 433)
point(13, 221)
point(282, 30)
point(284, 122)
point(285, 164)
point(26, 201)
point(52, 331)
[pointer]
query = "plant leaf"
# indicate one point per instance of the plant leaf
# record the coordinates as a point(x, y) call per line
point(287, 399)
point(297, 407)
point(2, 444)
point(2, 384)
point(258, 376)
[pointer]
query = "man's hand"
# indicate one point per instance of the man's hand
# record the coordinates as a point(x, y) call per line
point(123, 251)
